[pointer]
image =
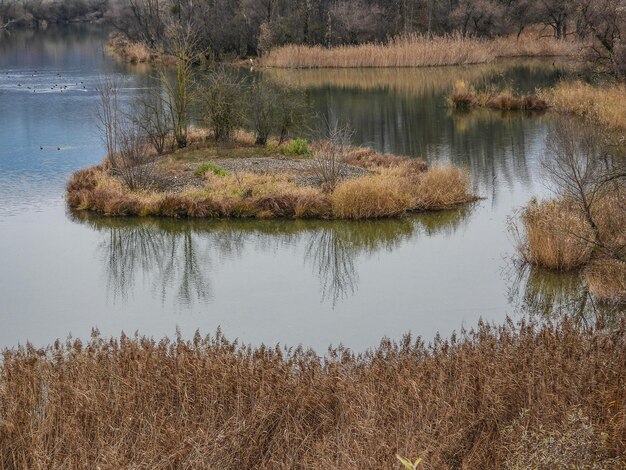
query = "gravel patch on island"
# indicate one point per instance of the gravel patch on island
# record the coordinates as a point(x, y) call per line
point(302, 169)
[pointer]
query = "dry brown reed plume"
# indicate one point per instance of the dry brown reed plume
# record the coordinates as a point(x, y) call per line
point(396, 185)
point(556, 235)
point(414, 50)
point(466, 402)
point(464, 96)
point(605, 105)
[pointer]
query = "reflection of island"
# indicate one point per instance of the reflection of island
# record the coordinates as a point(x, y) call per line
point(548, 294)
point(176, 257)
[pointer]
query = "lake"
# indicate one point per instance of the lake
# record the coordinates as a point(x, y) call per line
point(293, 282)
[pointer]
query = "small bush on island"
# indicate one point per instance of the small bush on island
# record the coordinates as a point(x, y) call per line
point(511, 396)
point(298, 147)
point(206, 167)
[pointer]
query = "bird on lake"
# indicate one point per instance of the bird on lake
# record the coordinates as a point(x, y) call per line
point(40, 147)
point(58, 148)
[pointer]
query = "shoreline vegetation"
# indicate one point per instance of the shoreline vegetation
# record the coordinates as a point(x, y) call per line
point(242, 180)
point(405, 51)
point(603, 105)
point(415, 50)
point(526, 395)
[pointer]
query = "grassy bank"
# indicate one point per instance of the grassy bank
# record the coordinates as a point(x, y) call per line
point(417, 51)
point(527, 396)
point(245, 180)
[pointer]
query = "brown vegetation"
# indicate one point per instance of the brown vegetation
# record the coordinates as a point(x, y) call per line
point(498, 397)
point(556, 235)
point(415, 51)
point(606, 278)
point(464, 96)
point(605, 105)
point(584, 224)
point(396, 185)
point(135, 52)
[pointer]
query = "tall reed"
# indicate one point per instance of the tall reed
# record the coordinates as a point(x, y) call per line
point(467, 402)
point(415, 50)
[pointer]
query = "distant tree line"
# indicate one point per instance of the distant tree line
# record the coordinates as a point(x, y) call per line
point(252, 27)
point(36, 12)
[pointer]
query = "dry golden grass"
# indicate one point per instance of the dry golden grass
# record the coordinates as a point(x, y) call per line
point(441, 187)
point(129, 51)
point(415, 50)
point(605, 105)
point(399, 188)
point(606, 278)
point(556, 235)
point(463, 403)
point(375, 196)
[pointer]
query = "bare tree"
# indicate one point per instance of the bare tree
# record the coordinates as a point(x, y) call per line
point(154, 119)
point(132, 163)
point(109, 113)
point(124, 139)
point(181, 43)
point(582, 170)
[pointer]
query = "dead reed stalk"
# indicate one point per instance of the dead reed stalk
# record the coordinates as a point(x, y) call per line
point(414, 50)
point(466, 402)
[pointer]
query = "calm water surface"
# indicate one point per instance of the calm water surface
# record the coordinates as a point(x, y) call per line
point(314, 283)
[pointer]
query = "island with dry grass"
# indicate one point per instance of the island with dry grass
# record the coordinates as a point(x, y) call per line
point(326, 180)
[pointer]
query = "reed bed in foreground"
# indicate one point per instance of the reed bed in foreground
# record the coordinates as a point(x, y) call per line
point(415, 50)
point(545, 396)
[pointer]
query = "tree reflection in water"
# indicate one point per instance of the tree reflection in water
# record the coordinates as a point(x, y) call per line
point(548, 294)
point(177, 256)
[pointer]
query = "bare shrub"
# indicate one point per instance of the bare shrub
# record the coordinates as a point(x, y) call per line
point(330, 154)
point(132, 162)
point(155, 120)
point(223, 102)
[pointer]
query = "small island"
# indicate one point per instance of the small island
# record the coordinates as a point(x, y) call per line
point(295, 179)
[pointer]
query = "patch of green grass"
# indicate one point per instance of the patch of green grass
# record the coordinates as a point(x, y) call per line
point(298, 147)
point(205, 167)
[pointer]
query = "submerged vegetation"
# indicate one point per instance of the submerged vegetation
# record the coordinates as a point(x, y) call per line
point(546, 395)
